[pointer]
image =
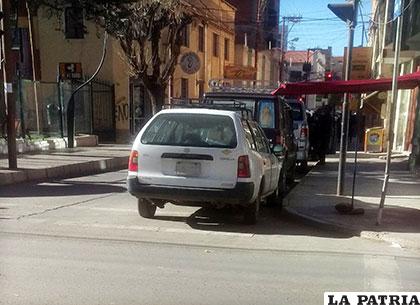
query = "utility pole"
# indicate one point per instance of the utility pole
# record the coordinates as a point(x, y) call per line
point(8, 75)
point(295, 20)
point(348, 13)
point(392, 104)
point(283, 34)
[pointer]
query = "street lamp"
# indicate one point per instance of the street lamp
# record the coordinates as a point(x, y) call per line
point(348, 13)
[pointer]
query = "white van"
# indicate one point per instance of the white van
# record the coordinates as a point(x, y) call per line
point(203, 157)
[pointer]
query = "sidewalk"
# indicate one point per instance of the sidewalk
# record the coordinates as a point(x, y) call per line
point(65, 163)
point(314, 199)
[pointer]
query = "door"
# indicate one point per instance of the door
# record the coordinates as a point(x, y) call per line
point(264, 151)
point(103, 110)
point(137, 108)
point(275, 162)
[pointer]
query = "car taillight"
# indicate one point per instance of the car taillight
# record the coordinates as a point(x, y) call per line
point(133, 162)
point(243, 167)
point(304, 132)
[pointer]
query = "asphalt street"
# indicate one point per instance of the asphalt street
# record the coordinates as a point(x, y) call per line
point(81, 241)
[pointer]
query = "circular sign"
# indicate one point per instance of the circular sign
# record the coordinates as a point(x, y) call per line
point(190, 63)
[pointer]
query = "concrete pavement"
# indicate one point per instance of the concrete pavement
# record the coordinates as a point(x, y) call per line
point(314, 200)
point(55, 270)
point(67, 163)
point(81, 241)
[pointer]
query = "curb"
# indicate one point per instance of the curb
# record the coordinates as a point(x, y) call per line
point(366, 234)
point(64, 171)
point(318, 223)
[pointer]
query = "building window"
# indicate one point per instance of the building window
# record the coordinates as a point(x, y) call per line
point(201, 38)
point(184, 87)
point(73, 23)
point(249, 59)
point(227, 42)
point(215, 45)
point(200, 89)
point(185, 37)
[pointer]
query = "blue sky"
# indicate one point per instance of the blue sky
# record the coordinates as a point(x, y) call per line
point(322, 33)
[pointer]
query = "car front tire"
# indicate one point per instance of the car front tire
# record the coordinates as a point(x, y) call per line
point(303, 166)
point(146, 208)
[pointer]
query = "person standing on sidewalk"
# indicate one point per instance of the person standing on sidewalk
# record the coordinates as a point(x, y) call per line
point(324, 131)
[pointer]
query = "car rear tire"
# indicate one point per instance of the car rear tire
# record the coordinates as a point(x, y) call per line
point(251, 212)
point(146, 208)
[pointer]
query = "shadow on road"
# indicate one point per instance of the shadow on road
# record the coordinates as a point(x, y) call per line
point(272, 221)
point(61, 188)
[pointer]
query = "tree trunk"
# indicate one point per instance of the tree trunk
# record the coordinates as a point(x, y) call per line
point(157, 97)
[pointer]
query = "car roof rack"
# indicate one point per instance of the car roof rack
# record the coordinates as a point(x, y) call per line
point(242, 85)
point(236, 106)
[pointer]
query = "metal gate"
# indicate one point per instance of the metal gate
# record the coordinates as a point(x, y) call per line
point(103, 110)
point(42, 107)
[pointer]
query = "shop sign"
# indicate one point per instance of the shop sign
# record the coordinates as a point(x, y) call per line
point(240, 72)
point(69, 71)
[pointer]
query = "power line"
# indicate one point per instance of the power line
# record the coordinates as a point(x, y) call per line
point(364, 33)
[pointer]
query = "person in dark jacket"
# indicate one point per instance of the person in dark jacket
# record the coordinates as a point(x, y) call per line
point(323, 127)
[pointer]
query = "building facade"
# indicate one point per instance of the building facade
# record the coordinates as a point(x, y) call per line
point(115, 103)
point(382, 37)
point(308, 65)
point(257, 38)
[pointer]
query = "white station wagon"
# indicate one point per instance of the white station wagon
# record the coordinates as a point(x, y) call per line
point(203, 157)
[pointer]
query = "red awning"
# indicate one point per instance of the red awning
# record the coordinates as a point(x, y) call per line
point(407, 81)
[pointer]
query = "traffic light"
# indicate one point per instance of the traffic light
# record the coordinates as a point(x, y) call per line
point(328, 76)
point(345, 11)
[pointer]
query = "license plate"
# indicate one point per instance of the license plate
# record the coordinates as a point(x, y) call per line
point(188, 169)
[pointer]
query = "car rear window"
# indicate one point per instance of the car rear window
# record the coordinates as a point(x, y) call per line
point(195, 130)
point(297, 111)
point(266, 114)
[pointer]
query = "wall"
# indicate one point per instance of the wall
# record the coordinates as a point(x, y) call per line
point(211, 66)
point(54, 48)
point(268, 65)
